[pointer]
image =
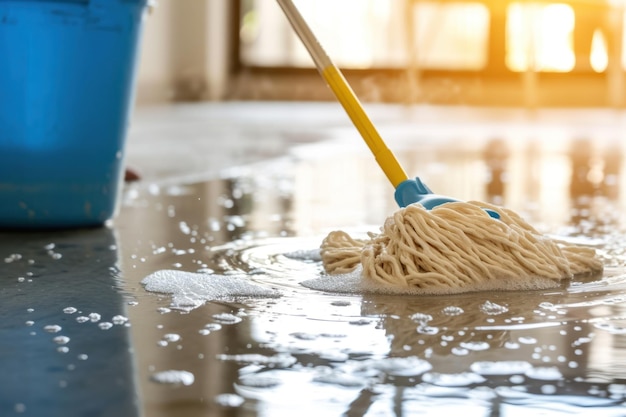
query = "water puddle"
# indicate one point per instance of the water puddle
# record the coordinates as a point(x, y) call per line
point(543, 349)
point(242, 283)
point(211, 297)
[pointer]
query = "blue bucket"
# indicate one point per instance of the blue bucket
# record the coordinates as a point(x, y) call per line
point(67, 75)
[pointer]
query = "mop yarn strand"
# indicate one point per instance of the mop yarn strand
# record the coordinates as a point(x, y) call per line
point(341, 253)
point(457, 247)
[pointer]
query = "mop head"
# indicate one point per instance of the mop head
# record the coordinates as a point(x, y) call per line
point(457, 247)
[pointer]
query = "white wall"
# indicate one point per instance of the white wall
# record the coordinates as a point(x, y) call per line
point(184, 54)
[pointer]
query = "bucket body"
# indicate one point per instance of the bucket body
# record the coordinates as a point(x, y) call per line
point(67, 75)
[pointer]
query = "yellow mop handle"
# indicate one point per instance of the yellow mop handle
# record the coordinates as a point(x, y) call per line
point(340, 87)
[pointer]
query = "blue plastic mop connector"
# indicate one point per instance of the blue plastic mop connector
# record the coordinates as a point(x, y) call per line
point(413, 191)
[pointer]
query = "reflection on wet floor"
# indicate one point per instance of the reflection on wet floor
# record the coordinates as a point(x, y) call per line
point(352, 355)
point(65, 338)
point(553, 353)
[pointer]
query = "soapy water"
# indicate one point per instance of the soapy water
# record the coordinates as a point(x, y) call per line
point(554, 351)
point(173, 377)
point(292, 338)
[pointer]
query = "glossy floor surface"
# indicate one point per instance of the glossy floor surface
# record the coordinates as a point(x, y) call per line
point(235, 200)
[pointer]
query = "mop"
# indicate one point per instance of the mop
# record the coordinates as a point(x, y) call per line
point(457, 247)
point(436, 244)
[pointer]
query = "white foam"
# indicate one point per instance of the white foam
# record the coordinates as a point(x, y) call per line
point(452, 311)
point(280, 360)
point(229, 400)
point(119, 320)
point(171, 337)
point(551, 373)
point(190, 289)
point(227, 318)
point(500, 367)
point(409, 366)
point(354, 283)
point(350, 283)
point(341, 379)
point(493, 309)
point(305, 255)
point(453, 380)
point(475, 345)
point(259, 381)
point(173, 377)
point(61, 340)
point(105, 325)
point(52, 328)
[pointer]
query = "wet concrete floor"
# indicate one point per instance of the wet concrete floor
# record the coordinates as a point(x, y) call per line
point(246, 192)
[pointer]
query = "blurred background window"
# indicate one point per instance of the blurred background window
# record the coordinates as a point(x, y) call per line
point(451, 35)
point(502, 52)
point(370, 33)
point(539, 37)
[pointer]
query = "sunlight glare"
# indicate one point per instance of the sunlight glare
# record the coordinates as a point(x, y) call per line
point(599, 54)
point(347, 28)
point(539, 37)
